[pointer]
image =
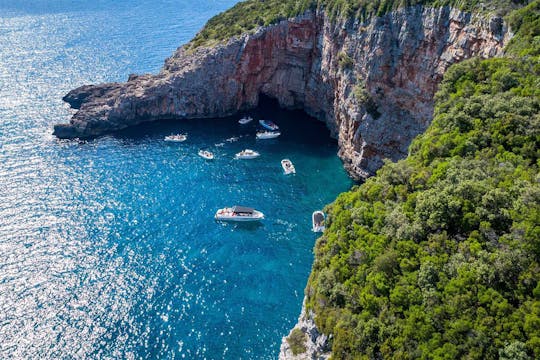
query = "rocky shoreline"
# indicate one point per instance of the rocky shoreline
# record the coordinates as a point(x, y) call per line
point(316, 345)
point(371, 83)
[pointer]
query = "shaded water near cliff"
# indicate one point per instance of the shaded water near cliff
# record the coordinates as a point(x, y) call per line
point(109, 247)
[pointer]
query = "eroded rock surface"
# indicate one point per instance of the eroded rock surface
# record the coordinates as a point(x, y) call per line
point(372, 83)
point(316, 344)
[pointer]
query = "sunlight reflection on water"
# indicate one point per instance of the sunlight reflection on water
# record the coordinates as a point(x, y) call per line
point(109, 247)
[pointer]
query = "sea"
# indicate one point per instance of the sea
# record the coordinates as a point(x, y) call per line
point(108, 247)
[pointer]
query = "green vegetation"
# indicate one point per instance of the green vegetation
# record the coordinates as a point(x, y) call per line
point(438, 255)
point(345, 61)
point(364, 97)
point(246, 16)
point(297, 341)
point(526, 23)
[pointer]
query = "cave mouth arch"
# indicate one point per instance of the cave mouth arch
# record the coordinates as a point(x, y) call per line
point(305, 127)
point(296, 125)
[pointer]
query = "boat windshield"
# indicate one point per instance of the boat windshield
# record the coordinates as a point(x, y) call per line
point(319, 217)
point(242, 210)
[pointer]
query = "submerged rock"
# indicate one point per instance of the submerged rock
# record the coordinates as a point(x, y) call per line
point(372, 83)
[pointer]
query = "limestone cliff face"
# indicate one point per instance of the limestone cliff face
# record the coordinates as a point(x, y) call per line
point(372, 83)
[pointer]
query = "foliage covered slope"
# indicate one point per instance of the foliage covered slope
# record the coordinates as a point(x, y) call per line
point(247, 15)
point(438, 255)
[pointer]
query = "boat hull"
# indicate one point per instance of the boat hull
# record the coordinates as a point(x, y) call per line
point(175, 138)
point(289, 171)
point(265, 136)
point(244, 121)
point(206, 156)
point(250, 155)
point(228, 216)
point(268, 126)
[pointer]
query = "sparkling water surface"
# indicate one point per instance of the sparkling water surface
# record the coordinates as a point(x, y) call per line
point(108, 247)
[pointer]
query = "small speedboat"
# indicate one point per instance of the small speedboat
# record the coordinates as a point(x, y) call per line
point(247, 154)
point(176, 138)
point(267, 124)
point(245, 120)
point(317, 219)
point(206, 154)
point(238, 213)
point(288, 166)
point(267, 134)
point(232, 139)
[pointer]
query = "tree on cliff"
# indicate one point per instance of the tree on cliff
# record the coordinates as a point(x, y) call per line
point(438, 255)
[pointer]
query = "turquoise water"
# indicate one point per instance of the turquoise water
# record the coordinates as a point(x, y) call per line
point(109, 248)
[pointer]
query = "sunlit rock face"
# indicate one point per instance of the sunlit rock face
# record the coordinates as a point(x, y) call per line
point(317, 346)
point(372, 83)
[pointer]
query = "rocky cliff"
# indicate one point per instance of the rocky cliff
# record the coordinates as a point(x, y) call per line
point(316, 345)
point(372, 83)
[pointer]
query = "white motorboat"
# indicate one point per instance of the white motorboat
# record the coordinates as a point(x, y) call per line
point(317, 219)
point(267, 134)
point(267, 124)
point(206, 154)
point(288, 166)
point(232, 139)
point(176, 138)
point(238, 213)
point(247, 154)
point(245, 120)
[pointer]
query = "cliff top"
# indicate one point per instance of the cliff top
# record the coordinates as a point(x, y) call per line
point(248, 15)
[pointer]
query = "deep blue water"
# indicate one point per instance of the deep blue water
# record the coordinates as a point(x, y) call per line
point(108, 247)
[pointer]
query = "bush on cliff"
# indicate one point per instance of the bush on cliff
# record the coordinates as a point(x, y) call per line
point(297, 341)
point(438, 255)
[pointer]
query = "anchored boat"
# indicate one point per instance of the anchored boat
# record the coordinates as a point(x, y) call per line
point(288, 166)
point(317, 220)
point(267, 134)
point(206, 154)
point(176, 138)
point(245, 120)
point(267, 124)
point(238, 213)
point(247, 154)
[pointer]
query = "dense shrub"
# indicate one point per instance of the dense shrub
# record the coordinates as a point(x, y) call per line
point(438, 255)
point(345, 61)
point(297, 341)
